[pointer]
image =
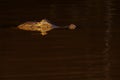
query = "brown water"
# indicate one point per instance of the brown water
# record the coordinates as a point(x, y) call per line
point(62, 54)
point(87, 53)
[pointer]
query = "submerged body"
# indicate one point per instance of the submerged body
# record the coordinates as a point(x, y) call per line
point(43, 26)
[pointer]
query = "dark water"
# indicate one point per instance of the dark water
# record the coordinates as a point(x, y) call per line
point(62, 54)
point(87, 53)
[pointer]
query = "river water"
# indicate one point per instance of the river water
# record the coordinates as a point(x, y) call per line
point(81, 54)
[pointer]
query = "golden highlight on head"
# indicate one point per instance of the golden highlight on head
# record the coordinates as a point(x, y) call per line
point(43, 26)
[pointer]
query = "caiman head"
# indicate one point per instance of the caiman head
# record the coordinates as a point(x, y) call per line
point(44, 26)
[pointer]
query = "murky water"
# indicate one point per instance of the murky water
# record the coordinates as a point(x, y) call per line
point(81, 54)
